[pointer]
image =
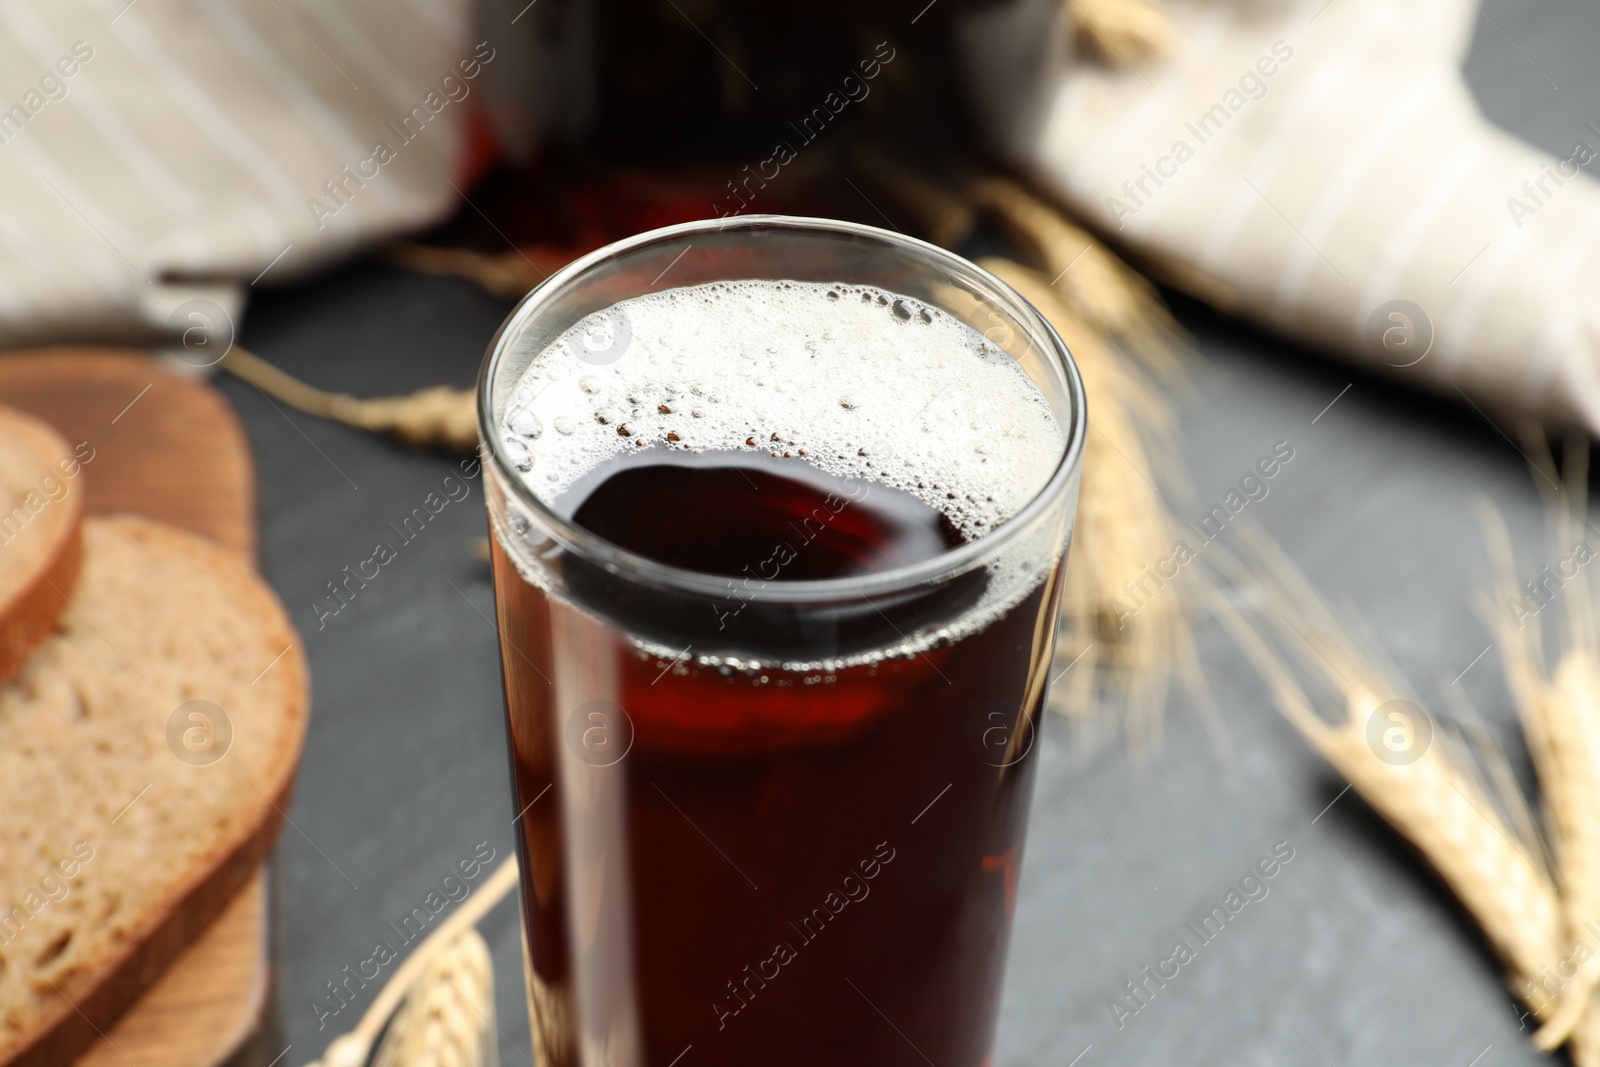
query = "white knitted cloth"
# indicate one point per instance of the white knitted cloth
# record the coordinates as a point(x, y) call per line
point(1323, 168)
point(160, 154)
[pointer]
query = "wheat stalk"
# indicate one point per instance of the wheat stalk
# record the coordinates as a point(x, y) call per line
point(436, 417)
point(508, 275)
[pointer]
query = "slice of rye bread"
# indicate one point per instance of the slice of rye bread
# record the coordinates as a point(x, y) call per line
point(41, 510)
point(119, 841)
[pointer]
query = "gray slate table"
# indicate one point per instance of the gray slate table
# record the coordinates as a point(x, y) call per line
point(1355, 956)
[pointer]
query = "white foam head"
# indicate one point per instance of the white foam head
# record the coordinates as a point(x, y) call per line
point(861, 382)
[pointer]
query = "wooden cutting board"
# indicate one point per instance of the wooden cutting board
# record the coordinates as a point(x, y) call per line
point(172, 449)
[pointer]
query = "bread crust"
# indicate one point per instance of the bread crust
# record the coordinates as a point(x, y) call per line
point(28, 620)
point(85, 1011)
point(29, 616)
point(78, 1023)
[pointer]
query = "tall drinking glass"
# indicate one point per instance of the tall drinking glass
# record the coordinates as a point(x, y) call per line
point(779, 510)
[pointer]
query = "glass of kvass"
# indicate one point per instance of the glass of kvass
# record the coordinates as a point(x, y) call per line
point(779, 511)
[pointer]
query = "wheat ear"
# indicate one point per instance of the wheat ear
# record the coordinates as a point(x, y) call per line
point(1113, 637)
point(1560, 715)
point(351, 1050)
point(447, 1019)
point(1132, 638)
point(1122, 32)
point(1584, 1043)
point(1435, 800)
point(435, 417)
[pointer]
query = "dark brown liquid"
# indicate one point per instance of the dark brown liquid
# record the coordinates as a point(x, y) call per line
point(762, 865)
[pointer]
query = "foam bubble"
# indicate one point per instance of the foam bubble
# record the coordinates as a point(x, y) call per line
point(860, 382)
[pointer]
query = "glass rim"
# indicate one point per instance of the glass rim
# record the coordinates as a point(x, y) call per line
point(622, 562)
